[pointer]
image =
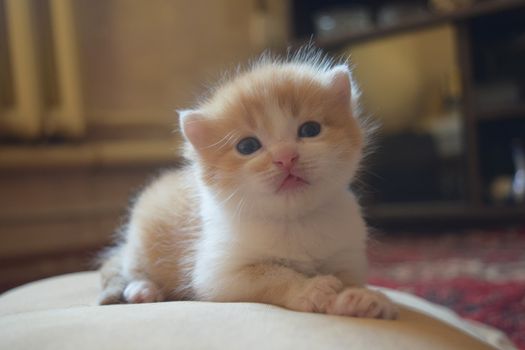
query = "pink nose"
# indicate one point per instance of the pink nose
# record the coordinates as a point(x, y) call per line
point(286, 160)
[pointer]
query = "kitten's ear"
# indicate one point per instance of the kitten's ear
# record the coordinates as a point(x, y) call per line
point(340, 83)
point(195, 127)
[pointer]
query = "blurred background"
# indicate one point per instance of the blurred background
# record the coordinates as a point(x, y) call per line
point(88, 90)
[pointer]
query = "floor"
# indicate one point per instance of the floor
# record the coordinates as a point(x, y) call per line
point(478, 273)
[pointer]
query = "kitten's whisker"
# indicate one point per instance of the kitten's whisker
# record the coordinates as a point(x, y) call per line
point(233, 138)
point(224, 140)
point(238, 210)
point(230, 196)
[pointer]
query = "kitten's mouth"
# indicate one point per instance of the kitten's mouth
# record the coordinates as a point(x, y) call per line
point(292, 182)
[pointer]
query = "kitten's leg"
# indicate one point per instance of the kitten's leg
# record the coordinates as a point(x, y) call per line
point(273, 284)
point(363, 302)
point(113, 283)
point(118, 289)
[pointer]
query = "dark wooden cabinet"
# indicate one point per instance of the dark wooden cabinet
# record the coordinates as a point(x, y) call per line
point(490, 49)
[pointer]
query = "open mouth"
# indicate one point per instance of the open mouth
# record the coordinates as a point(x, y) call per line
point(292, 182)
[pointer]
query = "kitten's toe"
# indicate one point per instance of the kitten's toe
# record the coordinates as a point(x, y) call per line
point(110, 296)
point(142, 291)
point(319, 292)
point(362, 302)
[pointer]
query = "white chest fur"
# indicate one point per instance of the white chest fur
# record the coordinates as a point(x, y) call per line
point(305, 243)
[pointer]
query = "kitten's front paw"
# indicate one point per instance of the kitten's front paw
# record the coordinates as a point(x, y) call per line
point(362, 302)
point(317, 294)
point(142, 291)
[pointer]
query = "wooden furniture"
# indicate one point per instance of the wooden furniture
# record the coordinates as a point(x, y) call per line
point(471, 25)
point(88, 92)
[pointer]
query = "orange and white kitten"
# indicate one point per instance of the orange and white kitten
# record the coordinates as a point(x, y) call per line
point(262, 212)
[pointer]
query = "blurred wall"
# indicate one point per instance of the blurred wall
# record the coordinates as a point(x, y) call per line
point(142, 59)
point(72, 68)
point(133, 63)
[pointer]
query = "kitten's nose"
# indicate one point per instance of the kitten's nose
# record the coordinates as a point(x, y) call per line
point(286, 160)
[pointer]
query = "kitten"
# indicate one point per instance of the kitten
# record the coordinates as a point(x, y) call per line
point(262, 212)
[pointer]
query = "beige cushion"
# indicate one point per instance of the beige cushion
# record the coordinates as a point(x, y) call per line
point(60, 313)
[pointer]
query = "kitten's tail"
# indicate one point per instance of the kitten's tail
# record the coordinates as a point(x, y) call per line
point(113, 282)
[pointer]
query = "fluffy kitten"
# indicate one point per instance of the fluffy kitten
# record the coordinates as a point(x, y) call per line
point(262, 212)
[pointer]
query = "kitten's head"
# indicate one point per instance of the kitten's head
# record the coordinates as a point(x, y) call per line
point(279, 139)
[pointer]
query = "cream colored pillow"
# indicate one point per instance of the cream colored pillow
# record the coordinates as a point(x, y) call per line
point(60, 313)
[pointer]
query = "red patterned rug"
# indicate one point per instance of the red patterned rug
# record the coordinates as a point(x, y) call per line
point(478, 274)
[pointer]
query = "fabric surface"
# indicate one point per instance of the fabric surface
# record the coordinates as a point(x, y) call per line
point(60, 313)
point(477, 273)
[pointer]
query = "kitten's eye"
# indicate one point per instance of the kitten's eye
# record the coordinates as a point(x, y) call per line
point(248, 145)
point(309, 129)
